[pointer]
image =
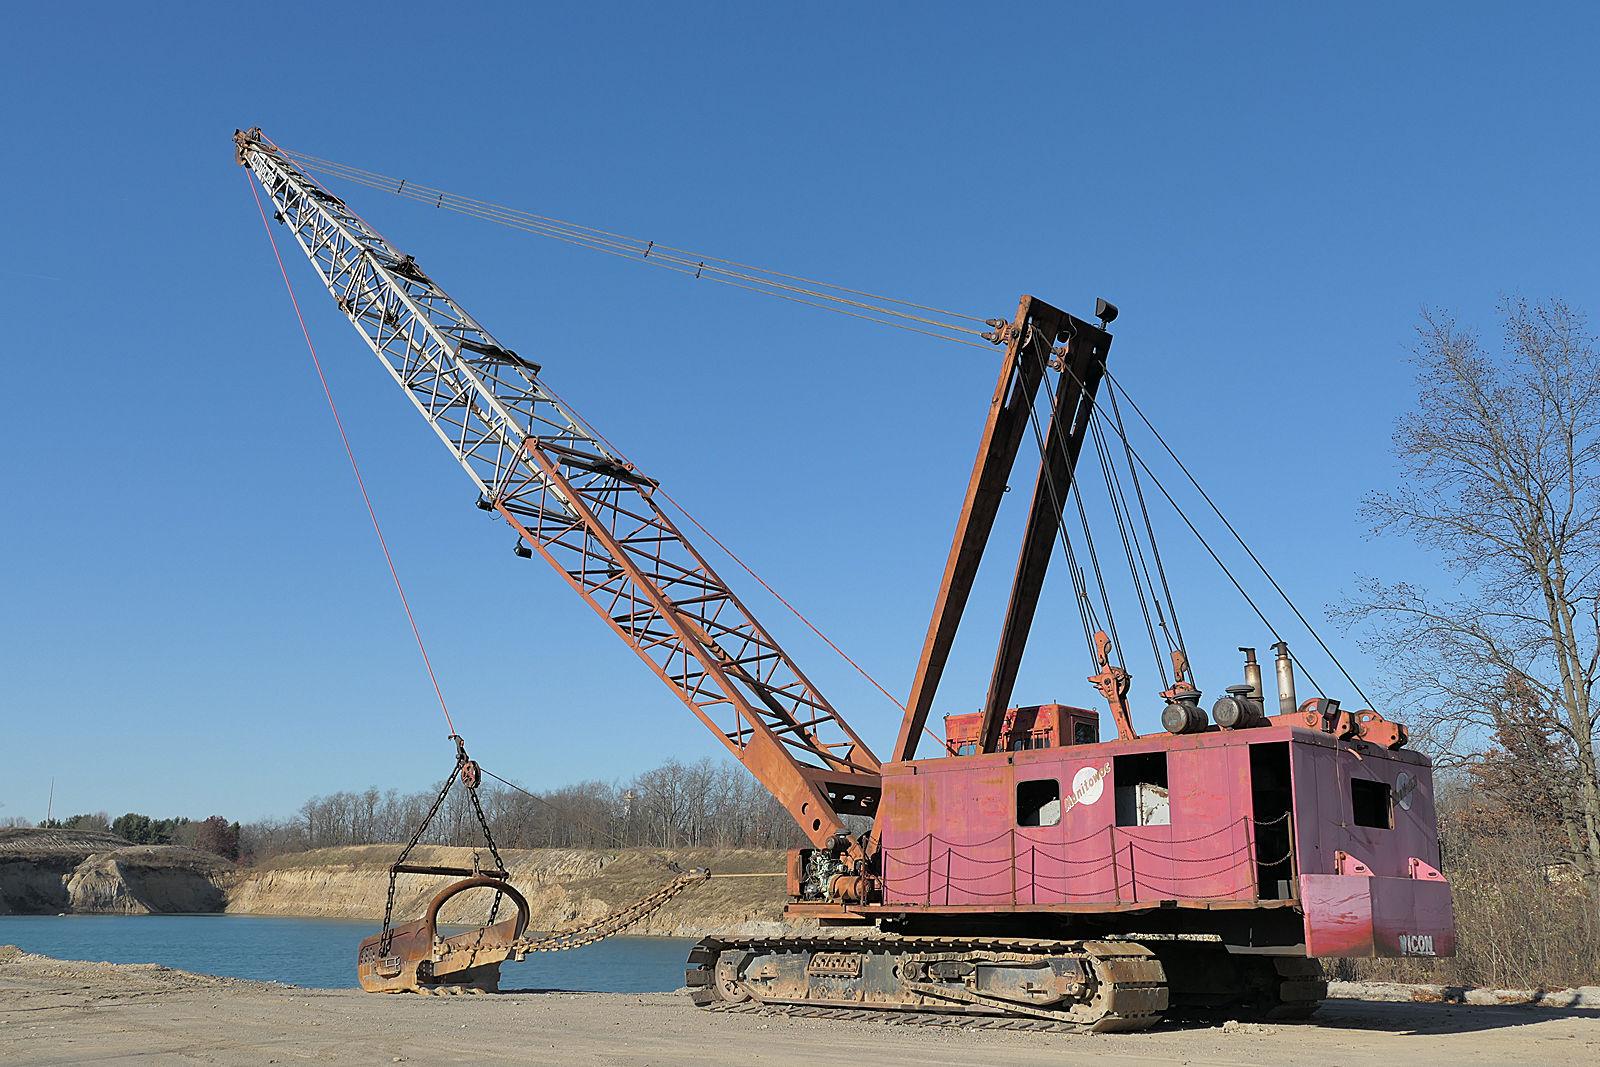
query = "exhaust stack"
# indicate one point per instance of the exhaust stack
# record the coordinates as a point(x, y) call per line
point(1252, 672)
point(1286, 701)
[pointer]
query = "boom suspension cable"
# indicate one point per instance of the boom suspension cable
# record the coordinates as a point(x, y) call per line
point(856, 303)
point(1150, 533)
point(1116, 428)
point(889, 311)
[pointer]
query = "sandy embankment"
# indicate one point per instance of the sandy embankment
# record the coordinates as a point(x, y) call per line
point(68, 1013)
point(84, 871)
point(564, 887)
point(52, 871)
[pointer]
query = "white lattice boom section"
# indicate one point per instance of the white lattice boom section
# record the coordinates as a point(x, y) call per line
point(582, 506)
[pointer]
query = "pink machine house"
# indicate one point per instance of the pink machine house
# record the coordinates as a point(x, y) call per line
point(1295, 835)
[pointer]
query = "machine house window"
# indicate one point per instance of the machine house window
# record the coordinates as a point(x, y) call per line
point(1039, 802)
point(1371, 804)
point(1142, 790)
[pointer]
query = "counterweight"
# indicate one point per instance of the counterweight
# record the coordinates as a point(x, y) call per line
point(582, 506)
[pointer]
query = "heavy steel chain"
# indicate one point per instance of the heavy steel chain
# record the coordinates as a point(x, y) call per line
point(614, 923)
point(471, 779)
point(467, 771)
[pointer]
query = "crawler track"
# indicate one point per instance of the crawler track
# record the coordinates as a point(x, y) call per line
point(1121, 986)
point(899, 1018)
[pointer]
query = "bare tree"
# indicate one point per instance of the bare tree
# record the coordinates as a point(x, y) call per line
point(1501, 462)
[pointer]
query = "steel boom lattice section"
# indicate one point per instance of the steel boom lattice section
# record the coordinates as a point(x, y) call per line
point(582, 506)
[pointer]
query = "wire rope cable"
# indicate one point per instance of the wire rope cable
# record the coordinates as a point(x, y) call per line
point(899, 313)
point(1114, 492)
point(1144, 509)
point(1312, 630)
point(1154, 480)
point(323, 163)
point(887, 311)
point(1086, 612)
point(355, 468)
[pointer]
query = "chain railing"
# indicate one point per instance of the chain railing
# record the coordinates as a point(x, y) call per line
point(1116, 864)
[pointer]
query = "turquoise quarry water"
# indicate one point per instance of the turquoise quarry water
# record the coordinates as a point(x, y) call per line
point(321, 953)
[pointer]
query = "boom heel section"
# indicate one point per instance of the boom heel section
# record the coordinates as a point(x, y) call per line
point(1093, 986)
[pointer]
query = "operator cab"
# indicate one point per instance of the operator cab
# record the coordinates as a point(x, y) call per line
point(1038, 726)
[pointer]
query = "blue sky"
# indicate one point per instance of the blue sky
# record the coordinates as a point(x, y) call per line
point(194, 617)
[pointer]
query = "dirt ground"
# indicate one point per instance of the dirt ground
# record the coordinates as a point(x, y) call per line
point(54, 1012)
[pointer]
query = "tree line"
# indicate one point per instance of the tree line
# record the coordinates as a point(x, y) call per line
point(215, 834)
point(708, 803)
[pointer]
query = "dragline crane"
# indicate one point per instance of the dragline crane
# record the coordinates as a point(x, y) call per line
point(1030, 869)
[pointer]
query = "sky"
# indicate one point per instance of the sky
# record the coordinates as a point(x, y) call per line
point(194, 615)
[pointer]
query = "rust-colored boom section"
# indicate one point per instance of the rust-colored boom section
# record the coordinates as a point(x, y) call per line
point(582, 506)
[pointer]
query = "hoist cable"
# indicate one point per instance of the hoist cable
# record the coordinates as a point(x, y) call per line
point(731, 555)
point(616, 842)
point(349, 452)
point(1138, 546)
point(1144, 509)
point(1114, 492)
point(738, 561)
point(1216, 558)
point(838, 298)
point(1248, 550)
point(1058, 506)
point(796, 612)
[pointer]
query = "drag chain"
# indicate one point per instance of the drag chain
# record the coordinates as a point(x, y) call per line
point(614, 923)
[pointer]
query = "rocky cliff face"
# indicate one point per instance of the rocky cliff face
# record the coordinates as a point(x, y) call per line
point(150, 879)
point(87, 871)
point(564, 887)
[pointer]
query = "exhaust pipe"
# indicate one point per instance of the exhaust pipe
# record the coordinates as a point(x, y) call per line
point(1286, 701)
point(1252, 672)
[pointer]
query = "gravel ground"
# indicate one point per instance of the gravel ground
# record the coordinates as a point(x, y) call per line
point(59, 1012)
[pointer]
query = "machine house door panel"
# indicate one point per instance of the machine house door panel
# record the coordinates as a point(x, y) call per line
point(1272, 802)
point(1183, 825)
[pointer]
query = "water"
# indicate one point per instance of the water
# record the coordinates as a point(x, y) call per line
point(321, 953)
